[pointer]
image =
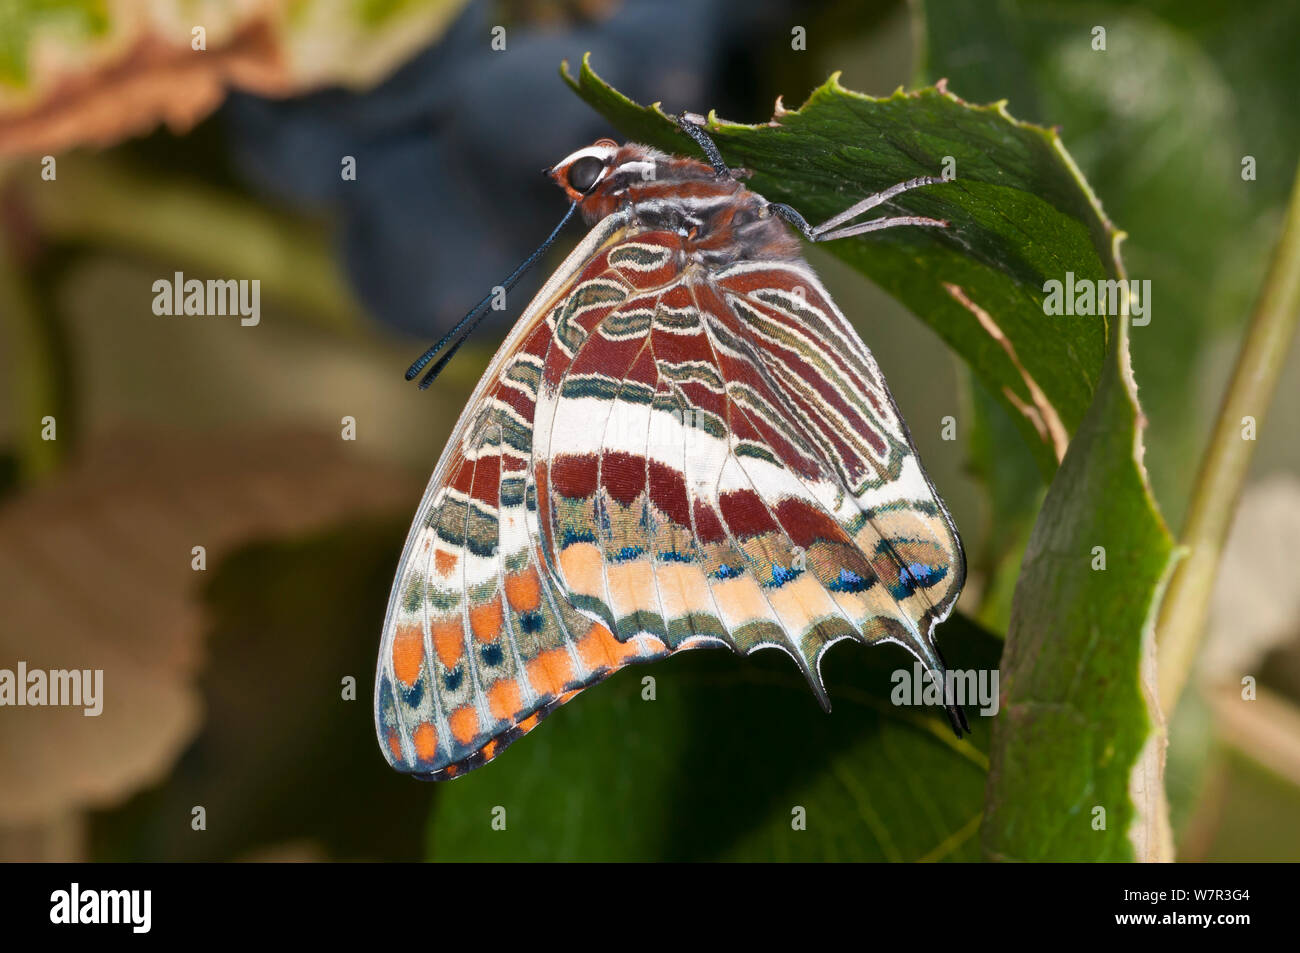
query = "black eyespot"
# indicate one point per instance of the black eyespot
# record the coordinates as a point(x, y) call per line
point(584, 172)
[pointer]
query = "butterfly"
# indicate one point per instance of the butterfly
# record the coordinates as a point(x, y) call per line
point(681, 443)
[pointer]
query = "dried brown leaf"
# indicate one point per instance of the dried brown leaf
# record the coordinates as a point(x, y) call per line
point(97, 571)
point(142, 69)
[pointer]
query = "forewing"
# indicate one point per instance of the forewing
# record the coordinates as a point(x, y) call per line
point(477, 645)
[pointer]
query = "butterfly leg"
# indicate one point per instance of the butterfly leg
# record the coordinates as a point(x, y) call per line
point(709, 147)
point(830, 230)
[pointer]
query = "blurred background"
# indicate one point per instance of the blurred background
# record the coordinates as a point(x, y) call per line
point(238, 677)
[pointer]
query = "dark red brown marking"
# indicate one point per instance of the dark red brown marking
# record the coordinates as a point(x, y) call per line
point(745, 513)
point(668, 493)
point(574, 475)
point(623, 476)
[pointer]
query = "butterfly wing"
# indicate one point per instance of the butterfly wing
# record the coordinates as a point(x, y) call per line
point(822, 445)
point(476, 646)
point(659, 458)
point(720, 461)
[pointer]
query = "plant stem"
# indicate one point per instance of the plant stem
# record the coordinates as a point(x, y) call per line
point(1180, 626)
point(34, 366)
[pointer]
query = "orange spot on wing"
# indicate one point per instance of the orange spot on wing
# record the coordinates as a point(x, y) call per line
point(426, 741)
point(599, 649)
point(503, 699)
point(583, 568)
point(523, 589)
point(485, 620)
point(529, 723)
point(408, 652)
point(395, 746)
point(449, 642)
point(464, 723)
point(490, 750)
point(549, 671)
point(444, 562)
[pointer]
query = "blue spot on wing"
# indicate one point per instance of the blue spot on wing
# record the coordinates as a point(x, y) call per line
point(781, 575)
point(572, 536)
point(413, 694)
point(916, 576)
point(727, 572)
point(850, 582)
point(628, 553)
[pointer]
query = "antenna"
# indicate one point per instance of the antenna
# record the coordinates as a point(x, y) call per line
point(466, 325)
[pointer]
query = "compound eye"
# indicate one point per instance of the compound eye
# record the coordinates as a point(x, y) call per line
point(584, 172)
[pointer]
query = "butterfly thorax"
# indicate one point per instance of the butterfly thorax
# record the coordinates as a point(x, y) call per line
point(717, 218)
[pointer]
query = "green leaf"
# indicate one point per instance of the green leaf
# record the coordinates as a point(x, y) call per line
point(1076, 733)
point(1020, 214)
point(1014, 494)
point(714, 767)
point(1159, 123)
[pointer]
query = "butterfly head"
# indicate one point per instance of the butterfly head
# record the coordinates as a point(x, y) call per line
point(581, 173)
point(718, 218)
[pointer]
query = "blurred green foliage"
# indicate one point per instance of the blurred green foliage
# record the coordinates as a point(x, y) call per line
point(1158, 124)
